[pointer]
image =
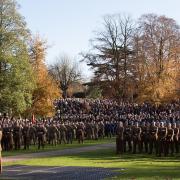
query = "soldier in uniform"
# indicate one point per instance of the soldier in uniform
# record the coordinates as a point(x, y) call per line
point(89, 131)
point(17, 135)
point(52, 134)
point(101, 130)
point(96, 129)
point(176, 137)
point(26, 137)
point(80, 133)
point(145, 136)
point(162, 134)
point(41, 133)
point(120, 139)
point(169, 140)
point(63, 131)
point(136, 137)
point(69, 133)
point(127, 137)
point(153, 137)
point(32, 134)
point(5, 138)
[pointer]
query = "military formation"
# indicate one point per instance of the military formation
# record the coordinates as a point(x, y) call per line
point(138, 128)
point(22, 133)
point(158, 138)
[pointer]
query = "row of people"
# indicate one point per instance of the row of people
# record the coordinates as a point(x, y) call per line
point(101, 108)
point(158, 138)
point(18, 133)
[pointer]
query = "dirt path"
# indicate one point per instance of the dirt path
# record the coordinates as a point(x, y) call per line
point(58, 152)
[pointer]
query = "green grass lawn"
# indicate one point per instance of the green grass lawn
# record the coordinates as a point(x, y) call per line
point(75, 144)
point(138, 166)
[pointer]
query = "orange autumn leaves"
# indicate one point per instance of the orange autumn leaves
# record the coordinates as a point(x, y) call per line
point(46, 89)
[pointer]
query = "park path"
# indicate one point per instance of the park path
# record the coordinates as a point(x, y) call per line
point(58, 152)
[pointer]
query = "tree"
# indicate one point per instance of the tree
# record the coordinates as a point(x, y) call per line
point(111, 58)
point(65, 72)
point(46, 90)
point(16, 77)
point(158, 54)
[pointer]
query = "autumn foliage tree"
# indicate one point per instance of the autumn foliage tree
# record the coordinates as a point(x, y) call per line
point(137, 60)
point(46, 90)
point(158, 51)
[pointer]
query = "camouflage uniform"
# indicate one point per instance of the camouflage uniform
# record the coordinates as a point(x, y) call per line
point(136, 137)
point(153, 137)
point(162, 133)
point(145, 138)
point(176, 138)
point(127, 137)
point(41, 133)
point(26, 136)
point(169, 141)
point(63, 131)
point(80, 133)
point(119, 139)
point(17, 136)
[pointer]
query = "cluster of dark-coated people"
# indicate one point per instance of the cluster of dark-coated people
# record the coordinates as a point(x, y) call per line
point(138, 127)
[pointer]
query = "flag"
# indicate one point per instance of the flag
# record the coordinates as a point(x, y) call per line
point(33, 119)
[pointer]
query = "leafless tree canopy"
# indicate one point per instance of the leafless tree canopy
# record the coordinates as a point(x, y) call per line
point(64, 71)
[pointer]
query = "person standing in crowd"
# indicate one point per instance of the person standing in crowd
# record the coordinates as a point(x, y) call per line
point(26, 136)
point(169, 140)
point(41, 132)
point(17, 135)
point(145, 137)
point(153, 137)
point(127, 137)
point(176, 138)
point(162, 134)
point(120, 139)
point(136, 137)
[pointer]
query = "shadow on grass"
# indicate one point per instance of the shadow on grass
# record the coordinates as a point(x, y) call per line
point(137, 166)
point(34, 148)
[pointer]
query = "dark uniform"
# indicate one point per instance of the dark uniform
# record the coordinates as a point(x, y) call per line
point(41, 132)
point(80, 133)
point(127, 138)
point(120, 139)
point(69, 134)
point(153, 137)
point(63, 131)
point(101, 130)
point(169, 141)
point(26, 136)
point(17, 136)
point(162, 133)
point(136, 137)
point(145, 138)
point(176, 138)
point(52, 134)
point(32, 135)
point(96, 129)
point(7, 133)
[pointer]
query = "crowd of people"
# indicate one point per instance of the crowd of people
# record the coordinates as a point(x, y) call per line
point(137, 127)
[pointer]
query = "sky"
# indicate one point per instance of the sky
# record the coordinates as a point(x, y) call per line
point(68, 25)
